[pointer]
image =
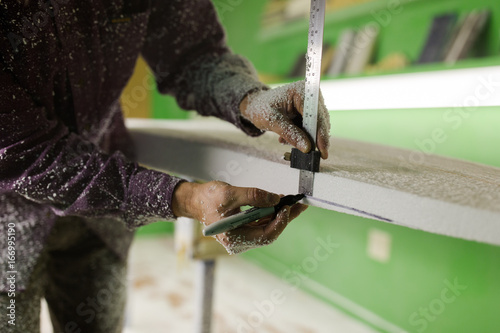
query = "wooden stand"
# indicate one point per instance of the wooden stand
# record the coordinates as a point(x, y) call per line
point(190, 244)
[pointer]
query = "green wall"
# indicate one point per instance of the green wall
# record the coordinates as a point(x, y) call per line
point(411, 290)
point(403, 28)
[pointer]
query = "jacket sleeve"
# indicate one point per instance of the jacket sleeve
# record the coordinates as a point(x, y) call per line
point(185, 47)
point(41, 160)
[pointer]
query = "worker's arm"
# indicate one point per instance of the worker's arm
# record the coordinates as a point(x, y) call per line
point(41, 160)
point(185, 47)
point(192, 62)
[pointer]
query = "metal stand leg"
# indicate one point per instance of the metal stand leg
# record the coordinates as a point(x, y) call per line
point(204, 292)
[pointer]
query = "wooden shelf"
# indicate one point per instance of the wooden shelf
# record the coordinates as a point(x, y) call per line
point(290, 29)
point(404, 32)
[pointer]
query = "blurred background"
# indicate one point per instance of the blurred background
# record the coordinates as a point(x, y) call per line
point(385, 277)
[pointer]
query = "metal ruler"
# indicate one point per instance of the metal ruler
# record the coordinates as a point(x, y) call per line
point(313, 75)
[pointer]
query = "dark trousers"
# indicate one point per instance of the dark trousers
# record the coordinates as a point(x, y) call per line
point(82, 281)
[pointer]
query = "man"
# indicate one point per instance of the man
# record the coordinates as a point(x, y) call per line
point(70, 193)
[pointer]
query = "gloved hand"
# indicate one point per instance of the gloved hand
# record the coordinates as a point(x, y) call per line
point(215, 200)
point(280, 110)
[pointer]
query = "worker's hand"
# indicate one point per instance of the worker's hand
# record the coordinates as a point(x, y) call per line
point(212, 201)
point(280, 110)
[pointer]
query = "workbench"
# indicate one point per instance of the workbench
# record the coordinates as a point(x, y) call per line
point(421, 191)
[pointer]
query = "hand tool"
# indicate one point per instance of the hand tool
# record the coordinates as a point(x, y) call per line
point(309, 163)
point(247, 216)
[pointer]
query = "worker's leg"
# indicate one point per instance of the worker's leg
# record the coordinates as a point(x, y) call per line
point(86, 289)
point(24, 317)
